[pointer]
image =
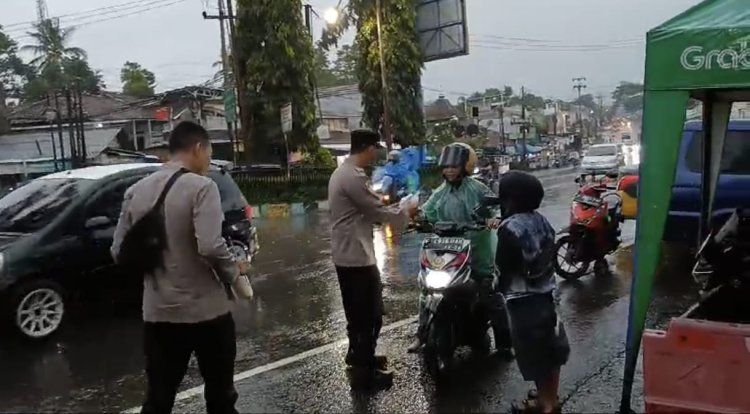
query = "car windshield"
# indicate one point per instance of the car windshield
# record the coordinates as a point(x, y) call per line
point(36, 204)
point(230, 193)
point(602, 151)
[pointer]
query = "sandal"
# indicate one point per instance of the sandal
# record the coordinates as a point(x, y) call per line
point(531, 406)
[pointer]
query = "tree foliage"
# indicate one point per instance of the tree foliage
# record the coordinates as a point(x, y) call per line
point(12, 72)
point(506, 95)
point(338, 72)
point(137, 80)
point(275, 61)
point(56, 64)
point(403, 61)
point(629, 96)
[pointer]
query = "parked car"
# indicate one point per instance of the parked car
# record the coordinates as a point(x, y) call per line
point(55, 236)
point(734, 182)
point(601, 158)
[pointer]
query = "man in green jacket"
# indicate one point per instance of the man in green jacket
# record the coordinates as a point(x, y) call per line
point(455, 201)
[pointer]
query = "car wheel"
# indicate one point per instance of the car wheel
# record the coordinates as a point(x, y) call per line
point(38, 308)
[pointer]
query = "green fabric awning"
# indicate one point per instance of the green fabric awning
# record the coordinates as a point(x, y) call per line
point(702, 53)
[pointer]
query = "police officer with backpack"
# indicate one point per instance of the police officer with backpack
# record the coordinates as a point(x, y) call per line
point(169, 233)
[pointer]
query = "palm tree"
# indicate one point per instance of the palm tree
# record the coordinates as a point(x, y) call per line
point(51, 47)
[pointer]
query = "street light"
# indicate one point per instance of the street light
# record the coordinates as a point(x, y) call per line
point(331, 16)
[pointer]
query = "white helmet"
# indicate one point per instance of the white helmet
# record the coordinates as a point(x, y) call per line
point(394, 155)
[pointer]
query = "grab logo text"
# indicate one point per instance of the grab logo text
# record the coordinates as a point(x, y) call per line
point(698, 58)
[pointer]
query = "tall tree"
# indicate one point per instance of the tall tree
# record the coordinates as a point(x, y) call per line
point(12, 72)
point(137, 80)
point(324, 75)
point(51, 45)
point(345, 65)
point(629, 96)
point(57, 64)
point(275, 64)
point(403, 57)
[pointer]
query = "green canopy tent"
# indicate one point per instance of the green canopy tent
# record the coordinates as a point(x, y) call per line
point(703, 53)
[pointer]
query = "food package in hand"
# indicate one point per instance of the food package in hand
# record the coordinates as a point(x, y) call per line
point(242, 287)
point(409, 201)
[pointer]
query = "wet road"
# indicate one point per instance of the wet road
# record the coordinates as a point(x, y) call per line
point(96, 363)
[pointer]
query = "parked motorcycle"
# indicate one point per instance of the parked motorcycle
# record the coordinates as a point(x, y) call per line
point(722, 270)
point(593, 232)
point(456, 317)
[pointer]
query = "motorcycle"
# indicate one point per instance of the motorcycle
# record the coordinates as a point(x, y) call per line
point(593, 232)
point(722, 269)
point(386, 188)
point(455, 316)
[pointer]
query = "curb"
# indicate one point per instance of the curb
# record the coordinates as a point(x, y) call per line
point(283, 210)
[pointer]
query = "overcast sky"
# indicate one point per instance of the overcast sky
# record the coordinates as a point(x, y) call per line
point(541, 44)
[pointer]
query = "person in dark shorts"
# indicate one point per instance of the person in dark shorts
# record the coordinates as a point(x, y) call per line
point(524, 259)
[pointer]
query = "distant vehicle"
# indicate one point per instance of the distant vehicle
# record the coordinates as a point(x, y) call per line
point(602, 158)
point(55, 236)
point(733, 188)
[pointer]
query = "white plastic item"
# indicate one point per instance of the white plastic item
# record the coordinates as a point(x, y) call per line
point(242, 287)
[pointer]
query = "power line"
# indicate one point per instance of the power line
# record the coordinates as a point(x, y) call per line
point(83, 14)
point(156, 4)
point(553, 42)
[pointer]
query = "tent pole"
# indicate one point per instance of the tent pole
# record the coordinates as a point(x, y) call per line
point(707, 155)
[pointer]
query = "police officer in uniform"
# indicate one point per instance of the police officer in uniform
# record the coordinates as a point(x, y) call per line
point(354, 209)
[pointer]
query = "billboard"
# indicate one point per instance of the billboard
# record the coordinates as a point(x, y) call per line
point(442, 28)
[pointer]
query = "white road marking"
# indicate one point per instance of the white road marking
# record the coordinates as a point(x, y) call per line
point(195, 391)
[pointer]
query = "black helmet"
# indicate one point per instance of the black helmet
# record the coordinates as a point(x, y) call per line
point(458, 155)
point(520, 192)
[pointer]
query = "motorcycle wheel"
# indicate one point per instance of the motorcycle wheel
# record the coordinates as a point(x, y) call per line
point(438, 352)
point(568, 270)
point(481, 347)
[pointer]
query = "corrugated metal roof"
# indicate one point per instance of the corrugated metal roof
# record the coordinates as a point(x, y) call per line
point(38, 144)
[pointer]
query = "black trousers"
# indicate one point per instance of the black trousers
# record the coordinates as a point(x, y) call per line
point(362, 294)
point(168, 347)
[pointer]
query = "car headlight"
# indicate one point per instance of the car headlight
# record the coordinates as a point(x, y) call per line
point(437, 279)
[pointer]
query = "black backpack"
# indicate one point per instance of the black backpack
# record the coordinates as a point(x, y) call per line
point(142, 247)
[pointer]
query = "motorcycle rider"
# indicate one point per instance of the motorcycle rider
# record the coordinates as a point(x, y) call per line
point(455, 201)
point(524, 258)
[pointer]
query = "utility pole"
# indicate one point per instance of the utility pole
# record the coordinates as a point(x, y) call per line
point(237, 75)
point(82, 133)
point(579, 83)
point(501, 113)
point(523, 120)
point(314, 82)
point(524, 125)
point(225, 71)
point(71, 130)
point(383, 81)
point(60, 131)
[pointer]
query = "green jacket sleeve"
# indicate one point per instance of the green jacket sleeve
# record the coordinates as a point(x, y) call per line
point(430, 207)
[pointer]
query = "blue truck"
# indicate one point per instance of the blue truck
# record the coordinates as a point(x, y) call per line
point(734, 182)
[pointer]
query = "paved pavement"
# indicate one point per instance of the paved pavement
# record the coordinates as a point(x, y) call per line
point(289, 339)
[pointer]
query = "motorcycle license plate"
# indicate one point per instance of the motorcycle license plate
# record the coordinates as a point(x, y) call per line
point(446, 243)
point(588, 200)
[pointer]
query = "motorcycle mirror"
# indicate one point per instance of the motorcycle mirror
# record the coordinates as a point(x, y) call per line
point(488, 201)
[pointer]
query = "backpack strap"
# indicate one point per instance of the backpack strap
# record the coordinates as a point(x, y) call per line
point(168, 186)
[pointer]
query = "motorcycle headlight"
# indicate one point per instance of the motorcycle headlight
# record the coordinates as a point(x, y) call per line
point(377, 186)
point(437, 279)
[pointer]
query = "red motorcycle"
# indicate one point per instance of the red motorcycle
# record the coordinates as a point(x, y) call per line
point(594, 230)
